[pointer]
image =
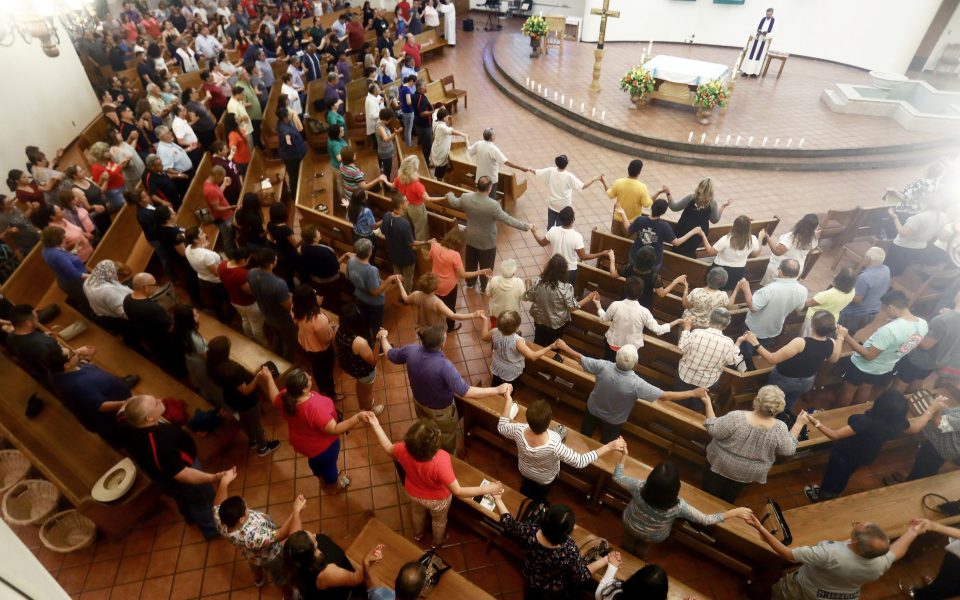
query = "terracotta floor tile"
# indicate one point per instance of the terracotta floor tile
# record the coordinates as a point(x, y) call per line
point(192, 557)
point(101, 574)
point(133, 568)
point(217, 579)
point(186, 584)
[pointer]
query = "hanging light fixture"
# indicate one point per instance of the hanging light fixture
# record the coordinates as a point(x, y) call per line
point(36, 19)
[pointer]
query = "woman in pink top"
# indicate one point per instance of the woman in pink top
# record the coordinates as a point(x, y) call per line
point(315, 334)
point(448, 265)
point(77, 240)
point(314, 430)
point(430, 480)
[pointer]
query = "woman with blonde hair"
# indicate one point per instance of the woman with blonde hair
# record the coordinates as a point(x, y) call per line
point(699, 209)
point(408, 183)
point(733, 250)
point(745, 443)
point(430, 309)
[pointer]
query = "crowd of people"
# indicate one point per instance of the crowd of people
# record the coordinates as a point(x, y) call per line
point(281, 286)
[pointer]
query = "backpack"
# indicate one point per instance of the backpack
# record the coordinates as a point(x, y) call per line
point(532, 511)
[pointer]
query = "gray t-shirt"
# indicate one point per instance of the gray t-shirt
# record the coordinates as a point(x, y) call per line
point(365, 278)
point(616, 391)
point(831, 570)
point(271, 292)
point(923, 228)
point(771, 305)
point(945, 328)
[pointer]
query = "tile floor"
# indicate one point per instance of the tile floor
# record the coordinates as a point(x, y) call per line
point(163, 559)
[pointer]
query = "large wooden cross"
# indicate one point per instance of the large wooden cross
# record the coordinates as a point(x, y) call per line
point(604, 13)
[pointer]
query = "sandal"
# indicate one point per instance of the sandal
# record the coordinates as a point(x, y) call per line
point(812, 492)
point(378, 408)
point(343, 482)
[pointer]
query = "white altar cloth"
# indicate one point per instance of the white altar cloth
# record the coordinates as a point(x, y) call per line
point(686, 71)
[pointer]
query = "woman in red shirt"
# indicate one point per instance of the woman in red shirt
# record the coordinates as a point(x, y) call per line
point(448, 265)
point(408, 183)
point(430, 480)
point(237, 140)
point(314, 430)
point(107, 174)
point(29, 195)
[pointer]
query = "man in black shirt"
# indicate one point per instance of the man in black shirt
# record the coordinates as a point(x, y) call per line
point(162, 188)
point(145, 70)
point(168, 455)
point(423, 117)
point(30, 346)
point(152, 325)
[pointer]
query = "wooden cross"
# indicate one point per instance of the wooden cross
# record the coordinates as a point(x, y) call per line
point(604, 13)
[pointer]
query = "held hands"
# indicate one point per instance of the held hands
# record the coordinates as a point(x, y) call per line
point(375, 555)
point(754, 522)
point(561, 345)
point(299, 503)
point(921, 525)
point(803, 418)
point(228, 476)
point(505, 388)
point(741, 511)
point(687, 324)
point(382, 333)
point(368, 417)
point(619, 444)
point(487, 272)
point(480, 314)
point(494, 488)
point(842, 332)
point(614, 559)
point(939, 404)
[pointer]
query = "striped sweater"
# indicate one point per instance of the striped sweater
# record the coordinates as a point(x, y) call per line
point(542, 463)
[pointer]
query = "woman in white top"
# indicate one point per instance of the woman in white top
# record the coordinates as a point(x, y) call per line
point(540, 450)
point(650, 583)
point(104, 291)
point(795, 244)
point(431, 18)
point(388, 66)
point(287, 89)
point(909, 248)
point(442, 137)
point(505, 291)
point(449, 12)
point(510, 351)
point(733, 250)
point(205, 262)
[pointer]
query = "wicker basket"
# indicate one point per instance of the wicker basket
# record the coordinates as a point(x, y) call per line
point(13, 468)
point(67, 531)
point(30, 501)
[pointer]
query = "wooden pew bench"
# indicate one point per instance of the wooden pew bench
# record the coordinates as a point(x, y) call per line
point(430, 41)
point(268, 126)
point(733, 540)
point(489, 527)
point(719, 230)
point(397, 552)
point(48, 441)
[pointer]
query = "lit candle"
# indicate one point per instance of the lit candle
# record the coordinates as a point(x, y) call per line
point(703, 138)
point(528, 81)
point(789, 142)
point(581, 107)
point(800, 145)
point(764, 142)
point(776, 143)
point(750, 141)
point(716, 140)
point(538, 88)
point(545, 92)
point(563, 99)
point(690, 137)
point(593, 111)
point(603, 115)
point(571, 103)
point(738, 141)
point(650, 48)
point(727, 141)
point(554, 96)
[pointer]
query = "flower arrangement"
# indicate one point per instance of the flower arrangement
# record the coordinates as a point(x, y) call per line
point(712, 94)
point(638, 81)
point(535, 27)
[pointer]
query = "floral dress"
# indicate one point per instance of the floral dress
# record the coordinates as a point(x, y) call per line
point(559, 570)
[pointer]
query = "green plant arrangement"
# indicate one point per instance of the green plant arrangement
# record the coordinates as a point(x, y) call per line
point(535, 27)
point(638, 82)
point(712, 94)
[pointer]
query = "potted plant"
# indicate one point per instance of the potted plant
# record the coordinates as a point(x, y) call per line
point(536, 28)
point(638, 82)
point(709, 96)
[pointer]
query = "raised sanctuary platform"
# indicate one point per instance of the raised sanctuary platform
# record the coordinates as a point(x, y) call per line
point(801, 132)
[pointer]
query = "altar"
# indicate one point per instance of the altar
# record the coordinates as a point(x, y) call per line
point(676, 79)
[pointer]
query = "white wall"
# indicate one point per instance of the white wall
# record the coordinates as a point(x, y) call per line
point(950, 35)
point(872, 34)
point(21, 568)
point(51, 103)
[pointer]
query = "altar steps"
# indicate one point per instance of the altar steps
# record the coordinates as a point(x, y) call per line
point(760, 159)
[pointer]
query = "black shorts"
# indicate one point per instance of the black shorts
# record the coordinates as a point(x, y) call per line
point(854, 376)
point(908, 372)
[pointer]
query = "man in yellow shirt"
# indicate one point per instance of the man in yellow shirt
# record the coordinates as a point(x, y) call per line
point(631, 194)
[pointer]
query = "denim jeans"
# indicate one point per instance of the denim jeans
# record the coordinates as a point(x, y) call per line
point(195, 503)
point(408, 128)
point(793, 387)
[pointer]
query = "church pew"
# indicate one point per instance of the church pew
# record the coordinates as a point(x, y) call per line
point(49, 441)
point(719, 230)
point(733, 543)
point(489, 527)
point(95, 132)
point(430, 41)
point(193, 199)
point(268, 126)
point(463, 173)
point(189, 80)
point(261, 167)
point(673, 264)
point(438, 96)
point(398, 551)
point(31, 280)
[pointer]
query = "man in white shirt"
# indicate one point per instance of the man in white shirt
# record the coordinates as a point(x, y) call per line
point(205, 262)
point(568, 243)
point(628, 319)
point(560, 187)
point(237, 105)
point(207, 45)
point(488, 159)
point(706, 352)
point(372, 106)
point(836, 569)
point(187, 58)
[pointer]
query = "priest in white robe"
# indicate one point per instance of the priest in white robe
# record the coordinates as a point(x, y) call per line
point(449, 12)
point(757, 47)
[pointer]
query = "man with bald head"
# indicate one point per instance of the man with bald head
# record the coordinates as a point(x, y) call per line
point(836, 569)
point(408, 585)
point(152, 324)
point(168, 455)
point(770, 307)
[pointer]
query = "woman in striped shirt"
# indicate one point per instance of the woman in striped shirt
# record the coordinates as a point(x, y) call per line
point(648, 518)
point(540, 450)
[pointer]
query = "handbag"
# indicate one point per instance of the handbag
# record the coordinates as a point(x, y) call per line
point(595, 549)
point(777, 522)
point(166, 297)
point(435, 567)
point(203, 215)
point(532, 511)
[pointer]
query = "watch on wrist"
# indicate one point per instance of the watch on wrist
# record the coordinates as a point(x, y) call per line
point(756, 347)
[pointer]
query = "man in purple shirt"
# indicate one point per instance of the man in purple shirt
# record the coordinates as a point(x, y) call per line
point(435, 381)
point(66, 266)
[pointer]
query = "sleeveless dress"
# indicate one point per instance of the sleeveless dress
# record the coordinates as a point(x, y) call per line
point(332, 554)
point(351, 362)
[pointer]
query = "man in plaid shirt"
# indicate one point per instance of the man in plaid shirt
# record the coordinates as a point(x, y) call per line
point(706, 352)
